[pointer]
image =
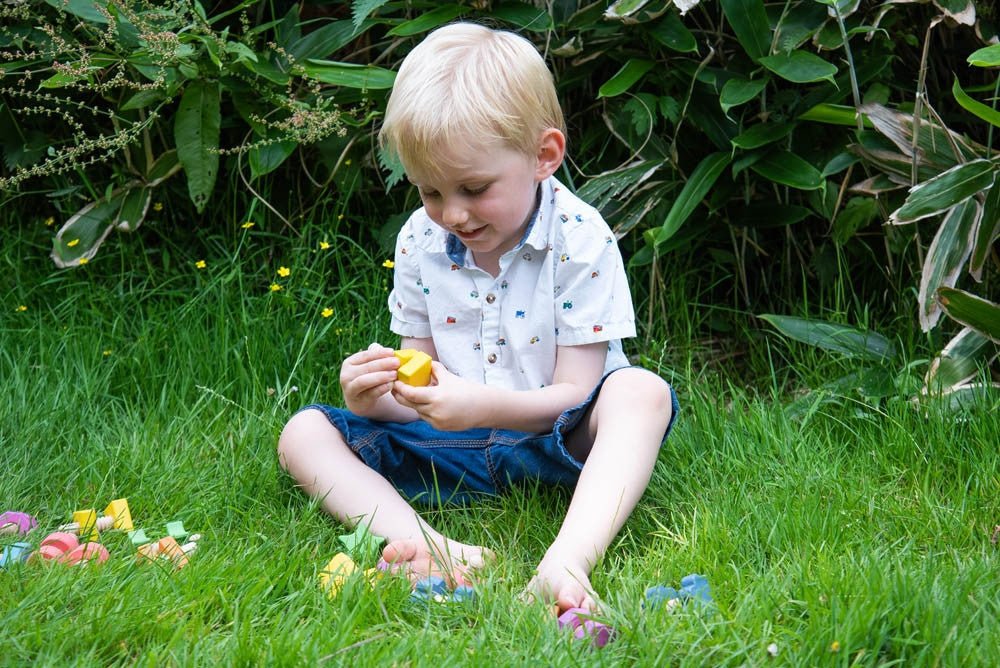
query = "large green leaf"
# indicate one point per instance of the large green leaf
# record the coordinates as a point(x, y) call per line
point(196, 133)
point(329, 39)
point(850, 341)
point(986, 57)
point(980, 314)
point(427, 21)
point(89, 10)
point(834, 114)
point(673, 34)
point(762, 134)
point(989, 232)
point(523, 15)
point(800, 66)
point(625, 77)
point(788, 169)
point(748, 19)
point(946, 257)
point(695, 188)
point(739, 91)
point(945, 191)
point(858, 213)
point(350, 75)
point(78, 240)
point(362, 9)
point(959, 362)
point(974, 106)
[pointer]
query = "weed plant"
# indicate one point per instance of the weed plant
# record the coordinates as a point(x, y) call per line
point(855, 534)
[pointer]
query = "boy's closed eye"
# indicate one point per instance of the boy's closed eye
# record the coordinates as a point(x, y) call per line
point(470, 191)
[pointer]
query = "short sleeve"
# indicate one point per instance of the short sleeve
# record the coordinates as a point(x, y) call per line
point(407, 304)
point(593, 301)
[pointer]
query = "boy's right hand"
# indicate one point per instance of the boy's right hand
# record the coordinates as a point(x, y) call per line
point(367, 376)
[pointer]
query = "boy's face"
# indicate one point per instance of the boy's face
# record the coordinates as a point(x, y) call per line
point(483, 197)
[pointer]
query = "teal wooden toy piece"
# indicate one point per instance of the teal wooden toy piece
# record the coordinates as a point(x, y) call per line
point(138, 538)
point(361, 544)
point(177, 531)
point(15, 553)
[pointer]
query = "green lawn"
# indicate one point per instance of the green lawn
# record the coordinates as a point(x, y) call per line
point(858, 534)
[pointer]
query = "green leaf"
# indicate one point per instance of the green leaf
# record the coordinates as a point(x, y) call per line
point(362, 9)
point(739, 91)
point(85, 9)
point(327, 40)
point(748, 19)
point(989, 231)
point(428, 21)
point(695, 188)
point(621, 9)
point(850, 341)
point(765, 215)
point(196, 133)
point(980, 314)
point(523, 15)
point(762, 134)
point(834, 114)
point(986, 57)
point(629, 73)
point(945, 191)
point(946, 257)
point(673, 34)
point(790, 170)
point(78, 240)
point(858, 213)
point(267, 158)
point(800, 67)
point(350, 75)
point(974, 106)
point(960, 360)
point(143, 98)
point(163, 167)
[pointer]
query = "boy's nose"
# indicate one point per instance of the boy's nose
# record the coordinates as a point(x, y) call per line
point(454, 214)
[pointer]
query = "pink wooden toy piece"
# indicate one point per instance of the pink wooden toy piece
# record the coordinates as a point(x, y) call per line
point(85, 553)
point(16, 522)
point(55, 545)
point(599, 633)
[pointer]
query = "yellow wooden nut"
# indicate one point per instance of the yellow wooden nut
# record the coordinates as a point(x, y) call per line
point(415, 367)
point(87, 521)
point(333, 576)
point(118, 509)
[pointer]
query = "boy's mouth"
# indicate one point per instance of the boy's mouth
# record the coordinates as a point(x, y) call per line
point(468, 235)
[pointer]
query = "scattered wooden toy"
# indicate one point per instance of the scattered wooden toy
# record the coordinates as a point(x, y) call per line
point(116, 516)
point(65, 548)
point(335, 573)
point(362, 545)
point(13, 521)
point(693, 587)
point(177, 531)
point(414, 367)
point(15, 553)
point(579, 620)
point(167, 548)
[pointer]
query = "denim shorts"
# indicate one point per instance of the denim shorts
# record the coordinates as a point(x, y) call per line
point(433, 467)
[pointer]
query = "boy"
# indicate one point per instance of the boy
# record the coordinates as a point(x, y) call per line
point(516, 289)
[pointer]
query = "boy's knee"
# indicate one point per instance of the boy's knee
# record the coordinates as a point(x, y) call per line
point(643, 388)
point(295, 434)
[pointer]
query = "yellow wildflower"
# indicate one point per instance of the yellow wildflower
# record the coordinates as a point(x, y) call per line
point(323, 245)
point(340, 216)
point(157, 206)
point(835, 646)
point(347, 162)
point(22, 308)
point(200, 264)
point(106, 353)
point(275, 287)
point(50, 221)
point(284, 272)
point(327, 312)
point(388, 264)
point(73, 243)
point(247, 225)
point(84, 260)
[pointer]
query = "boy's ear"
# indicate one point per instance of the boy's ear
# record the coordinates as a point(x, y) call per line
point(551, 151)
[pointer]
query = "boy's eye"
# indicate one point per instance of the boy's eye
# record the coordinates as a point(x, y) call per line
point(476, 190)
point(428, 193)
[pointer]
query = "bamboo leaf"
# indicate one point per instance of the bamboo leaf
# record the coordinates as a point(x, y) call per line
point(960, 360)
point(986, 57)
point(850, 341)
point(989, 232)
point(748, 19)
point(974, 106)
point(695, 188)
point(523, 15)
point(624, 78)
point(790, 170)
point(196, 133)
point(362, 9)
point(800, 67)
point(673, 34)
point(762, 134)
point(350, 75)
point(739, 91)
point(972, 311)
point(428, 21)
point(944, 191)
point(946, 256)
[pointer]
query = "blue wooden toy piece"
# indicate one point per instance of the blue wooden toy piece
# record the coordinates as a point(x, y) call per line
point(15, 553)
point(694, 587)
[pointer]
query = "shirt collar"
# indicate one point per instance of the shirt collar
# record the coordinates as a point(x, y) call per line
point(536, 236)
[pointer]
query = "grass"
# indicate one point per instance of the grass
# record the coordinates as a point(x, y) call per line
point(855, 534)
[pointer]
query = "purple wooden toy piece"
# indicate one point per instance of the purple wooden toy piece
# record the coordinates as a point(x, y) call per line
point(16, 522)
point(599, 633)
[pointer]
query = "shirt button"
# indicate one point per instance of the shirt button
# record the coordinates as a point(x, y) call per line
point(492, 359)
point(490, 298)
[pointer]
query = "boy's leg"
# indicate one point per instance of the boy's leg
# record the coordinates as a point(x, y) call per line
point(315, 454)
point(618, 440)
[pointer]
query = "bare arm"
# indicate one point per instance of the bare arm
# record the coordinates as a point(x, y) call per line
point(454, 403)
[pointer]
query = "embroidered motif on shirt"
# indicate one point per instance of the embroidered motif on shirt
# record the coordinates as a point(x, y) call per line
point(563, 257)
point(534, 339)
point(563, 217)
point(454, 267)
point(598, 328)
point(450, 320)
point(501, 342)
point(579, 218)
point(519, 314)
point(595, 274)
point(474, 294)
point(476, 346)
point(567, 305)
point(503, 285)
point(527, 257)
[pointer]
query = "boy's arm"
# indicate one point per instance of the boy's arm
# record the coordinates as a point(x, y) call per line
point(454, 403)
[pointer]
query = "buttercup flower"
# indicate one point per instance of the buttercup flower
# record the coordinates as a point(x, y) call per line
point(200, 264)
point(21, 309)
point(835, 646)
point(157, 206)
point(275, 287)
point(284, 272)
point(106, 353)
point(327, 312)
point(84, 260)
point(247, 225)
point(388, 264)
point(323, 245)
point(73, 243)
point(50, 221)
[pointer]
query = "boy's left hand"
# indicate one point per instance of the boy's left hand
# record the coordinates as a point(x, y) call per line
point(449, 403)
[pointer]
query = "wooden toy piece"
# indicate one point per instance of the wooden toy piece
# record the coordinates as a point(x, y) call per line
point(361, 544)
point(138, 537)
point(463, 594)
point(415, 367)
point(578, 619)
point(15, 553)
point(177, 531)
point(55, 545)
point(84, 554)
point(431, 588)
point(167, 548)
point(116, 516)
point(336, 572)
point(13, 521)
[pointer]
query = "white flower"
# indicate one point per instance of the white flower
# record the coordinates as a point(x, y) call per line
point(685, 5)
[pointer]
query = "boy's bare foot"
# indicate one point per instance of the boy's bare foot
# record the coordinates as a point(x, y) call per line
point(563, 578)
point(417, 559)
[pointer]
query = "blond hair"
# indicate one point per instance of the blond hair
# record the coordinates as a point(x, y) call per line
point(463, 87)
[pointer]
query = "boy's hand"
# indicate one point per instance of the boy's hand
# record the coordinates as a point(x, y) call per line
point(367, 376)
point(449, 403)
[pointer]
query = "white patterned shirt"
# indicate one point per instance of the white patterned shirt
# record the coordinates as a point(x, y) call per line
point(563, 285)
